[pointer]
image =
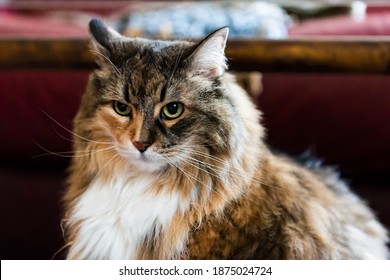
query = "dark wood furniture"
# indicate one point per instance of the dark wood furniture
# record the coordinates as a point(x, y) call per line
point(318, 54)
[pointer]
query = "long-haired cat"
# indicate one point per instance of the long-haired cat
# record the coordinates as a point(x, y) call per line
point(169, 163)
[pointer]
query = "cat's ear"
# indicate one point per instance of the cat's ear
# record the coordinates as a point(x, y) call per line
point(208, 59)
point(103, 37)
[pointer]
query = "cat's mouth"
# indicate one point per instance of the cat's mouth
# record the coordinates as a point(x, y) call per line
point(147, 161)
point(145, 158)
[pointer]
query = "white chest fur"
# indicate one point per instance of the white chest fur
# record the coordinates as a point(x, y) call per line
point(116, 215)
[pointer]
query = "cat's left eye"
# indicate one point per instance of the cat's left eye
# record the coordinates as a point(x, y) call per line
point(172, 110)
point(121, 108)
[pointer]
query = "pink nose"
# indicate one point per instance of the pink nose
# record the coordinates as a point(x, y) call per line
point(141, 146)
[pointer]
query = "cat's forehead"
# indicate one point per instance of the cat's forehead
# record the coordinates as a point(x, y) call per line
point(157, 45)
point(150, 67)
point(144, 84)
point(155, 51)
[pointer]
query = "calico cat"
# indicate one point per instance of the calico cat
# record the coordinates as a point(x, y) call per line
point(169, 163)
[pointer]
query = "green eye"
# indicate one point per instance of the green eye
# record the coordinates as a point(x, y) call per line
point(121, 108)
point(172, 110)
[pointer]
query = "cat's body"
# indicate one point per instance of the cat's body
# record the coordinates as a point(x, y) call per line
point(170, 164)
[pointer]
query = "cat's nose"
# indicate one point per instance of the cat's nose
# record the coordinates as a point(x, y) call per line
point(141, 146)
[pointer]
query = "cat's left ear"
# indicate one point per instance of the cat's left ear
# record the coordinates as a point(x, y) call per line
point(103, 37)
point(208, 59)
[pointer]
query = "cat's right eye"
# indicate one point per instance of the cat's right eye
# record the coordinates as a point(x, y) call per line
point(121, 108)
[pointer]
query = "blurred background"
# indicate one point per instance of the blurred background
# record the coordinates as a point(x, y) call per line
point(340, 114)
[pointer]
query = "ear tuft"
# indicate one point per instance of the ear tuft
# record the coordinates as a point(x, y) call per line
point(209, 59)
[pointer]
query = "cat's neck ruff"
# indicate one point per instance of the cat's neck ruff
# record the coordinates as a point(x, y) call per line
point(116, 215)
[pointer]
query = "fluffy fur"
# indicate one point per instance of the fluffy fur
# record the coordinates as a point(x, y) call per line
point(200, 185)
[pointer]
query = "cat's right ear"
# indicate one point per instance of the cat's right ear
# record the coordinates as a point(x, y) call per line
point(208, 59)
point(103, 37)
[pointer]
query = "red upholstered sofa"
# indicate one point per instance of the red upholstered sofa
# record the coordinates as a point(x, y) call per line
point(343, 119)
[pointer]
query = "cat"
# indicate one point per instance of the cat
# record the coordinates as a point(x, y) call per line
point(170, 163)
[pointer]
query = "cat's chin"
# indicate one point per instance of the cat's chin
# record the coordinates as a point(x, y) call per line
point(147, 163)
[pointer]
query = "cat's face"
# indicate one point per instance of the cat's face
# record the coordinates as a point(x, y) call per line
point(160, 103)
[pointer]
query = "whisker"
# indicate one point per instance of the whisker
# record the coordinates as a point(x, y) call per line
point(69, 154)
point(216, 166)
point(195, 152)
point(189, 175)
point(206, 171)
point(188, 161)
point(200, 153)
point(184, 172)
point(70, 131)
point(230, 185)
point(219, 168)
point(62, 136)
point(176, 65)
point(107, 59)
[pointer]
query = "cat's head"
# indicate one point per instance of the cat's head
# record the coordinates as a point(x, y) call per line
point(159, 103)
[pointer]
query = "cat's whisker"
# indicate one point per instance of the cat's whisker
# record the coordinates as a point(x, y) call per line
point(218, 160)
point(188, 175)
point(216, 174)
point(107, 59)
point(93, 152)
point(200, 153)
point(62, 136)
point(176, 65)
point(231, 185)
point(69, 154)
point(230, 171)
point(207, 172)
point(71, 132)
point(208, 156)
point(196, 163)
